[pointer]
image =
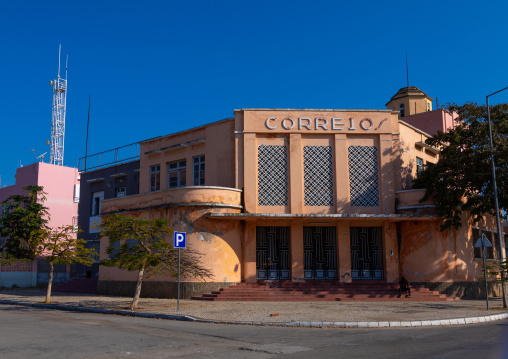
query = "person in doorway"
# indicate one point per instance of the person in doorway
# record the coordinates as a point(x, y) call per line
point(404, 287)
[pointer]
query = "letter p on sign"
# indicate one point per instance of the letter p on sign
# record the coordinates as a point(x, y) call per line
point(179, 241)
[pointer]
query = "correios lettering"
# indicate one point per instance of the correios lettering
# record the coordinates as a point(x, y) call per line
point(318, 123)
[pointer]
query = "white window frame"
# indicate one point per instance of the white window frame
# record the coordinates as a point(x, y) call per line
point(419, 167)
point(121, 192)
point(180, 168)
point(97, 196)
point(156, 172)
point(198, 167)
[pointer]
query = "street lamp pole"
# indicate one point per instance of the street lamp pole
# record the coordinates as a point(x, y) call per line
point(498, 219)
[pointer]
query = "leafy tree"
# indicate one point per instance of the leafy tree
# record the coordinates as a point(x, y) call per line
point(496, 269)
point(23, 216)
point(461, 180)
point(60, 246)
point(141, 245)
point(24, 223)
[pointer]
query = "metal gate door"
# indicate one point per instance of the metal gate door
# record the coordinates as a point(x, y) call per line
point(320, 252)
point(366, 253)
point(272, 253)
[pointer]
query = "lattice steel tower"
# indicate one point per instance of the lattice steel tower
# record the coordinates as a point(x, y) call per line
point(58, 115)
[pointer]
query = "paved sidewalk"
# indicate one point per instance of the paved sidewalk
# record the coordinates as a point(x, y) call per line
point(315, 314)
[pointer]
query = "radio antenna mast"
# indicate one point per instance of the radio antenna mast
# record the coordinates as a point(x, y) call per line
point(58, 115)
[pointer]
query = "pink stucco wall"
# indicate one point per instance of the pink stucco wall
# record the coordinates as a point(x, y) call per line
point(58, 183)
point(432, 121)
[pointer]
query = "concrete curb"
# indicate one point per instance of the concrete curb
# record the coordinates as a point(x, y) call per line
point(128, 313)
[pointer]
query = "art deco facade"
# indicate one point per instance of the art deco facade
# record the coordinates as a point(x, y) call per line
point(301, 194)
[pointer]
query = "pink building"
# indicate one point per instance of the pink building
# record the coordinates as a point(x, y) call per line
point(62, 187)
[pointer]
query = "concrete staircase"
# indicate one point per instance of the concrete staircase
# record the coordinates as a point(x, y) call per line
point(321, 291)
point(81, 286)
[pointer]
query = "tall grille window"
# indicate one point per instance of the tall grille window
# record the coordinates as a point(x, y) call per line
point(363, 176)
point(318, 175)
point(272, 175)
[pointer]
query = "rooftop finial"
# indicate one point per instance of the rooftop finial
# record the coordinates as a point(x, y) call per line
point(407, 72)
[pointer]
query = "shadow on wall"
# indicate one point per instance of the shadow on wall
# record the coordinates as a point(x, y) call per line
point(443, 261)
point(406, 169)
point(465, 290)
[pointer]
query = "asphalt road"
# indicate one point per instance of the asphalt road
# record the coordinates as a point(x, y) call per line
point(27, 332)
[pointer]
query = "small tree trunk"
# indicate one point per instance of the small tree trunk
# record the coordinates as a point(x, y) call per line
point(50, 282)
point(135, 300)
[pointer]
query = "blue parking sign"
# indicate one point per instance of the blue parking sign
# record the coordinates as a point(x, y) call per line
point(179, 240)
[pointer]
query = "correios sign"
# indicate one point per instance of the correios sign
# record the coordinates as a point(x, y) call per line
point(319, 123)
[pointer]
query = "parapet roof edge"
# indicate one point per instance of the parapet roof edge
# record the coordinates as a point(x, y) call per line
point(189, 129)
point(48, 164)
point(109, 166)
point(312, 109)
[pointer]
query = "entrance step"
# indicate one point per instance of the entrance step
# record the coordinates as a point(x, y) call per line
point(320, 291)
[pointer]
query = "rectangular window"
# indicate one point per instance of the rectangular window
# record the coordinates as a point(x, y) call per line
point(272, 176)
point(76, 193)
point(402, 110)
point(97, 198)
point(363, 176)
point(198, 169)
point(121, 192)
point(177, 174)
point(75, 226)
point(318, 175)
point(155, 178)
point(419, 167)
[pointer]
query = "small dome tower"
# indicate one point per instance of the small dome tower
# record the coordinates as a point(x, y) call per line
point(410, 101)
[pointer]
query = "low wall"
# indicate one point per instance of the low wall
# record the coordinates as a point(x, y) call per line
point(464, 290)
point(61, 273)
point(18, 279)
point(21, 274)
point(159, 289)
point(43, 278)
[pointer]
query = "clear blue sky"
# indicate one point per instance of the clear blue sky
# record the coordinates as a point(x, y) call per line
point(156, 67)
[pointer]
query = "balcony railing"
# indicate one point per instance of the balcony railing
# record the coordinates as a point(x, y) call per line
point(109, 158)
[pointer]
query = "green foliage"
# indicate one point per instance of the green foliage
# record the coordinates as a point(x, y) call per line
point(60, 246)
point(23, 216)
point(141, 244)
point(498, 268)
point(461, 180)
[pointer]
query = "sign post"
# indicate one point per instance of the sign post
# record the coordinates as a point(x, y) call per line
point(179, 242)
point(483, 243)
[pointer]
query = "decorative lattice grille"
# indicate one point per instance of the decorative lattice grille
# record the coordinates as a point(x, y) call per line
point(366, 247)
point(363, 176)
point(273, 253)
point(320, 252)
point(272, 175)
point(318, 175)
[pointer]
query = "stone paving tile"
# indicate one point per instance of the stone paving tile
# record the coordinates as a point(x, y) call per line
point(280, 312)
